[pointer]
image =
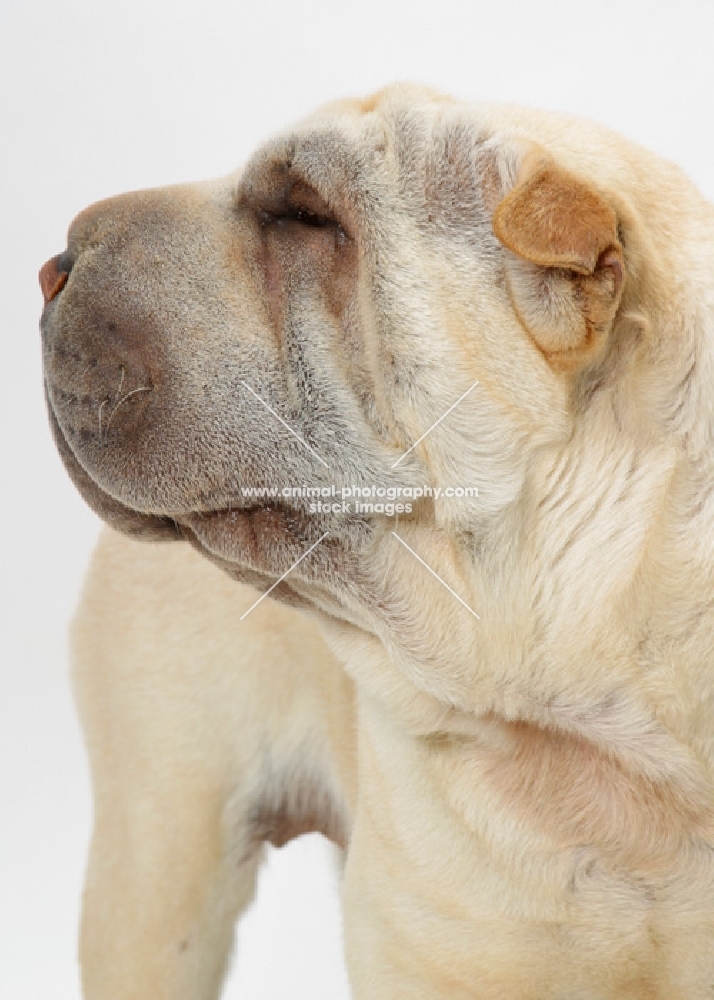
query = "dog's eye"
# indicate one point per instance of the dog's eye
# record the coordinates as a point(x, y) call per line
point(294, 215)
point(312, 219)
point(302, 215)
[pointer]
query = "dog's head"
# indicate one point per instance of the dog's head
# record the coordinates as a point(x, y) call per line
point(399, 293)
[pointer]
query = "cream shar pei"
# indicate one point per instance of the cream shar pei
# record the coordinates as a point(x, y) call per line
point(441, 378)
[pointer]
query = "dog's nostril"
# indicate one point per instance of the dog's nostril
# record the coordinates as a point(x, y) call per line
point(53, 275)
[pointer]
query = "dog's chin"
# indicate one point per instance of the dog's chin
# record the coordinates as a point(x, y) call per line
point(116, 514)
point(234, 540)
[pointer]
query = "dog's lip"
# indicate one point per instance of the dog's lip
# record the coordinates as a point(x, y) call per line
point(114, 512)
point(195, 513)
point(217, 527)
point(228, 532)
point(69, 454)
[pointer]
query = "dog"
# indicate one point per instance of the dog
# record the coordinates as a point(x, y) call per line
point(422, 398)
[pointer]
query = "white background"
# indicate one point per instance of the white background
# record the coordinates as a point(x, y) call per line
point(99, 97)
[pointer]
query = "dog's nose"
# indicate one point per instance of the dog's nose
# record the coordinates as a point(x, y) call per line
point(53, 276)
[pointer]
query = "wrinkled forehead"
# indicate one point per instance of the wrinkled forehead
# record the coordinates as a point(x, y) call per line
point(351, 152)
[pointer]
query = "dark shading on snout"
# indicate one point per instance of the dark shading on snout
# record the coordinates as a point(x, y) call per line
point(146, 333)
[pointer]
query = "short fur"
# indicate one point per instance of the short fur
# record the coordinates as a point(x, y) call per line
point(525, 798)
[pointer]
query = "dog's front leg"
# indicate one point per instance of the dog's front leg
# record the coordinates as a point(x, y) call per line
point(210, 731)
point(163, 891)
point(172, 727)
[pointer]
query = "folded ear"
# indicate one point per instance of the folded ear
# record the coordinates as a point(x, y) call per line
point(566, 266)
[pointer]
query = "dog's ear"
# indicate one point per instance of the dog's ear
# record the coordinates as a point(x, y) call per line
point(565, 263)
